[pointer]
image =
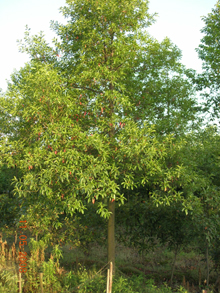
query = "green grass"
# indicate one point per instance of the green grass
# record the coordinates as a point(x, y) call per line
point(134, 273)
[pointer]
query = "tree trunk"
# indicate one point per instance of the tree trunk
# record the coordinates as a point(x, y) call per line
point(111, 234)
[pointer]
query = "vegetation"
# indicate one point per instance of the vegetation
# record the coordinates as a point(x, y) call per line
point(103, 146)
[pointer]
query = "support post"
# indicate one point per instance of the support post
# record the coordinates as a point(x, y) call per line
point(107, 286)
point(41, 283)
point(110, 277)
point(19, 283)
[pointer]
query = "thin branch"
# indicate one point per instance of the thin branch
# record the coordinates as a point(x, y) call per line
point(118, 67)
point(86, 88)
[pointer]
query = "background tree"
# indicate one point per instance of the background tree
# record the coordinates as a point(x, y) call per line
point(209, 53)
point(163, 89)
point(201, 156)
point(171, 222)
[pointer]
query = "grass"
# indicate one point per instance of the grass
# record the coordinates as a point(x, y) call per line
point(149, 272)
point(155, 265)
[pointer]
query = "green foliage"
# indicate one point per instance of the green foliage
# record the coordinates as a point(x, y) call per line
point(163, 89)
point(54, 106)
point(52, 167)
point(9, 207)
point(167, 224)
point(214, 251)
point(8, 281)
point(73, 135)
point(9, 210)
point(36, 264)
point(123, 285)
point(84, 281)
point(209, 53)
point(50, 276)
point(6, 176)
point(99, 120)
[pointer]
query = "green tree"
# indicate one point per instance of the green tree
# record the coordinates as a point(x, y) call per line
point(65, 166)
point(201, 155)
point(72, 131)
point(198, 153)
point(209, 53)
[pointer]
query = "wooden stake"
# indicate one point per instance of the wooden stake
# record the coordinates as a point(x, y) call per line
point(19, 282)
point(110, 277)
point(41, 283)
point(107, 286)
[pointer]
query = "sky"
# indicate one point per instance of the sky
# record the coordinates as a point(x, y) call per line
point(180, 20)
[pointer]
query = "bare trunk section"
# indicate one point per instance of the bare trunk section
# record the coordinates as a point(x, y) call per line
point(111, 234)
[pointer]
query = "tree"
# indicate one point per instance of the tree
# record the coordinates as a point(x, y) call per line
point(171, 222)
point(65, 166)
point(209, 53)
point(201, 155)
point(74, 134)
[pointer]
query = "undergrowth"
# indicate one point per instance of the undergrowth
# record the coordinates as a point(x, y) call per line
point(60, 276)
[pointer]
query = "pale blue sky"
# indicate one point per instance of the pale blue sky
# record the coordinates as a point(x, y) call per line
point(180, 20)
